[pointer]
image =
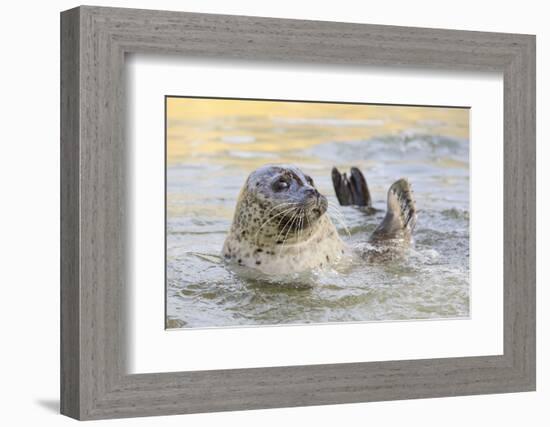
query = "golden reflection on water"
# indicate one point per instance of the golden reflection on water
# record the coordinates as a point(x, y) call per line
point(199, 128)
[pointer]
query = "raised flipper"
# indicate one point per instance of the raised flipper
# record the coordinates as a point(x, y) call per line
point(352, 191)
point(400, 218)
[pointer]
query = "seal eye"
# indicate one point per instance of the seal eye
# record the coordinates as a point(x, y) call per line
point(281, 184)
point(309, 181)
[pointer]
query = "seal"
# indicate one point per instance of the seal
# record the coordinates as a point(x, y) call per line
point(281, 225)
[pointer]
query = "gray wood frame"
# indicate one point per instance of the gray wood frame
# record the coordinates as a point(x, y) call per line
point(94, 41)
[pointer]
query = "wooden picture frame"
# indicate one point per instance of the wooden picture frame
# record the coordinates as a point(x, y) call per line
point(94, 41)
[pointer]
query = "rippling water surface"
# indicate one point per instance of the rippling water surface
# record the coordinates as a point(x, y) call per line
point(212, 145)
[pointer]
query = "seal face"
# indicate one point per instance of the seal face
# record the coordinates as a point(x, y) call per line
point(280, 224)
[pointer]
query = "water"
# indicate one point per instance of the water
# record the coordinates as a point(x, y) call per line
point(210, 154)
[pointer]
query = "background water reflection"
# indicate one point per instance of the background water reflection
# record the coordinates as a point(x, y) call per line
point(212, 145)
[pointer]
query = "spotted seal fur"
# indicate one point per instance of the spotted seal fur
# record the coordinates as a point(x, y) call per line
point(280, 223)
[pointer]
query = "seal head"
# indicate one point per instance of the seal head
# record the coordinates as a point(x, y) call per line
point(280, 223)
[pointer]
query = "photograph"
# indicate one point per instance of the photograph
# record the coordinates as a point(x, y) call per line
point(289, 212)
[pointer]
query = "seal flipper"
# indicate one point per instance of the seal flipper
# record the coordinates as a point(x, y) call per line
point(400, 218)
point(353, 191)
point(341, 187)
point(359, 188)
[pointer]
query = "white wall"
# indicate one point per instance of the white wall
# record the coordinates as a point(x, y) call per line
point(29, 226)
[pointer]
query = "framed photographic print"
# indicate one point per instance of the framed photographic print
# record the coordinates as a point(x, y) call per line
point(262, 213)
point(308, 244)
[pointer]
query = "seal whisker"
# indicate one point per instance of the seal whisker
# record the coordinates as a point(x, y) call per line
point(308, 222)
point(289, 207)
point(301, 223)
point(335, 210)
point(280, 204)
point(290, 222)
point(289, 228)
point(344, 226)
point(273, 217)
point(335, 215)
point(339, 216)
point(281, 230)
point(286, 223)
point(334, 206)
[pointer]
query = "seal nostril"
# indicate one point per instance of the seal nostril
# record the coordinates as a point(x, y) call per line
point(312, 192)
